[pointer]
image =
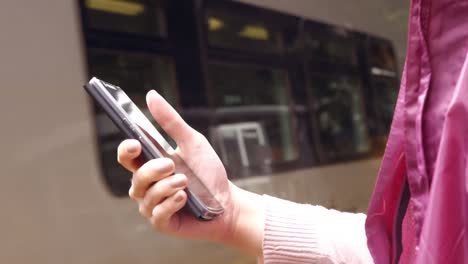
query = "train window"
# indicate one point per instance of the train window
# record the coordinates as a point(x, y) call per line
point(335, 83)
point(342, 128)
point(330, 45)
point(387, 90)
point(253, 117)
point(247, 85)
point(382, 58)
point(130, 16)
point(383, 80)
point(137, 73)
point(245, 33)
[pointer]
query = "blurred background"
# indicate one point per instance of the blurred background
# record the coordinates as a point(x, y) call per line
point(296, 96)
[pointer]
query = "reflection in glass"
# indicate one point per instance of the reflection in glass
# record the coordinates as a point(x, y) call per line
point(385, 101)
point(138, 74)
point(329, 45)
point(384, 80)
point(228, 31)
point(254, 121)
point(242, 143)
point(340, 115)
point(382, 58)
point(241, 85)
point(131, 16)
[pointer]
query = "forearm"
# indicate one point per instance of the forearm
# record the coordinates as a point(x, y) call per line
point(247, 232)
point(281, 231)
point(300, 233)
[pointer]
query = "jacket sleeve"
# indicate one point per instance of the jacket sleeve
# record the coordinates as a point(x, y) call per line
point(302, 233)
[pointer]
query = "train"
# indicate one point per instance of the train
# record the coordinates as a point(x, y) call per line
point(296, 97)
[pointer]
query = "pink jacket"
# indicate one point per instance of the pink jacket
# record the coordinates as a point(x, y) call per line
point(419, 209)
point(428, 146)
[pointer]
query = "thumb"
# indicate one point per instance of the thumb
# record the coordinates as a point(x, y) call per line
point(168, 118)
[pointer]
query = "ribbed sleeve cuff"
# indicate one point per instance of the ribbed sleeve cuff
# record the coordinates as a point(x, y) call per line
point(292, 233)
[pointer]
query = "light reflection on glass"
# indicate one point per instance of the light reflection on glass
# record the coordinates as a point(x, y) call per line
point(254, 123)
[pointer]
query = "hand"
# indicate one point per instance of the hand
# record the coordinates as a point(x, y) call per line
point(160, 193)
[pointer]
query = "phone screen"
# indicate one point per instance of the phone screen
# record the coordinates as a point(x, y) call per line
point(136, 117)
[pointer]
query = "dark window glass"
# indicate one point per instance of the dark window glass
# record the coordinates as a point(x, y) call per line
point(244, 85)
point(236, 32)
point(136, 74)
point(336, 87)
point(131, 16)
point(384, 80)
point(342, 128)
point(387, 94)
point(254, 124)
point(331, 45)
point(382, 57)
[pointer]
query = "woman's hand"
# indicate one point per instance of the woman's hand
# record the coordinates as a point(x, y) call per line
point(160, 193)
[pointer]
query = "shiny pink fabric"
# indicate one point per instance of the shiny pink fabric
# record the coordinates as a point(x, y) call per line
point(428, 143)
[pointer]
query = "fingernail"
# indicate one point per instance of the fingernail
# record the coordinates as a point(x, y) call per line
point(152, 92)
point(149, 97)
point(178, 181)
point(133, 147)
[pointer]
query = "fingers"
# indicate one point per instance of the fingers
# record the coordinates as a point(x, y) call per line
point(160, 191)
point(127, 153)
point(151, 172)
point(163, 212)
point(168, 118)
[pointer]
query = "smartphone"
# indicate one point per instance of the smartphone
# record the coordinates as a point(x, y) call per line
point(134, 124)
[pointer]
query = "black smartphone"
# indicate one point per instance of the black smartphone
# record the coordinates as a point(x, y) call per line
point(134, 124)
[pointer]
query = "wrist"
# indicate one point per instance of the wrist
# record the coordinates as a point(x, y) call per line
point(248, 222)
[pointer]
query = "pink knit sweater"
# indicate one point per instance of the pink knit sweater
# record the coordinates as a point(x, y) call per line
point(302, 233)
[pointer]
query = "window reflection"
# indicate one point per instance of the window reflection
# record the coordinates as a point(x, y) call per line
point(330, 45)
point(383, 80)
point(254, 124)
point(336, 89)
point(243, 144)
point(343, 131)
point(387, 93)
point(136, 73)
point(228, 31)
point(245, 85)
point(382, 57)
point(131, 16)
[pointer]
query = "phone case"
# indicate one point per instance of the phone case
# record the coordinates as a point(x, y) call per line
point(132, 122)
